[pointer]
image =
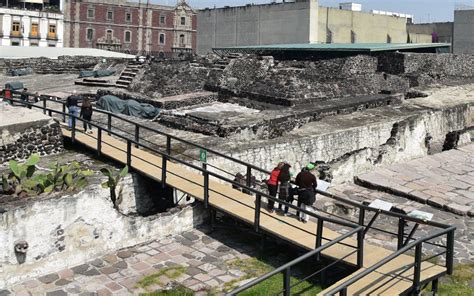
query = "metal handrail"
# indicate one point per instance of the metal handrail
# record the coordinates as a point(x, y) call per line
point(195, 145)
point(292, 263)
point(195, 167)
point(342, 288)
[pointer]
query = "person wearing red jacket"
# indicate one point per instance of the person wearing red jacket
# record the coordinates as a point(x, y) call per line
point(272, 184)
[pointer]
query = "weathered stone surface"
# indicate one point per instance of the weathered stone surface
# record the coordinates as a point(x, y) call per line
point(47, 279)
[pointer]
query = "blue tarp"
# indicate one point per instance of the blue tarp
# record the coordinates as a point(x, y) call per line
point(128, 107)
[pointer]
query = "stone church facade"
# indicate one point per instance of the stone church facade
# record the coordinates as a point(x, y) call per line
point(131, 27)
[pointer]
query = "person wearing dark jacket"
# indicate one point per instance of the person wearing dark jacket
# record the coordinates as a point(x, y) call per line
point(284, 179)
point(306, 181)
point(86, 114)
point(73, 108)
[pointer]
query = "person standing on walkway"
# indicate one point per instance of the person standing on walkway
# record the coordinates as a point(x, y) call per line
point(86, 114)
point(24, 96)
point(284, 179)
point(272, 184)
point(306, 181)
point(7, 94)
point(71, 104)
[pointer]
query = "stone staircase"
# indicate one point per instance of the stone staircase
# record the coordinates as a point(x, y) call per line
point(128, 74)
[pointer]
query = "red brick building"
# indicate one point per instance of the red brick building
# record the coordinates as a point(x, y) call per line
point(134, 27)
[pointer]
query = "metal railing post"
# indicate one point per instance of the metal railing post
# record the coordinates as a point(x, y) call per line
point(249, 176)
point(401, 233)
point(129, 154)
point(168, 145)
point(64, 112)
point(258, 206)
point(450, 252)
point(319, 236)
point(286, 281)
point(99, 141)
point(73, 129)
point(163, 171)
point(44, 105)
point(360, 248)
point(109, 123)
point(206, 189)
point(417, 273)
point(362, 217)
point(343, 292)
point(137, 135)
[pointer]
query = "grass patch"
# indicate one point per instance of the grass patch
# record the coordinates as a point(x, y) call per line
point(172, 273)
point(458, 284)
point(255, 268)
point(178, 291)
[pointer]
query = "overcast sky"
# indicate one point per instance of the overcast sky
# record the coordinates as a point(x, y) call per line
point(424, 10)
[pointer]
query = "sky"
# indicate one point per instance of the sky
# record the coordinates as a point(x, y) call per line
point(423, 10)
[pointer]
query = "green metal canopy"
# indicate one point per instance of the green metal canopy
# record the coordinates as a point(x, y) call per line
point(336, 47)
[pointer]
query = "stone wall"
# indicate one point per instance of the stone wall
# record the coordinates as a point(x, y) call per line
point(24, 132)
point(64, 64)
point(64, 231)
point(354, 143)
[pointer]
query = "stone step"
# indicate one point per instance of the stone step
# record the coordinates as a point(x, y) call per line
point(123, 82)
point(126, 78)
point(126, 73)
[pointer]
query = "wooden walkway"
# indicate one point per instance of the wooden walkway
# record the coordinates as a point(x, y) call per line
point(385, 281)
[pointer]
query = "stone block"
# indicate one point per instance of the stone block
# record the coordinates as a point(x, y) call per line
point(458, 209)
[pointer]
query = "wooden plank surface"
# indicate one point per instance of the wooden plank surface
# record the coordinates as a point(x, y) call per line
point(235, 203)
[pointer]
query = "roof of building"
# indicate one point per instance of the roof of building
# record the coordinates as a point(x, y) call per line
point(21, 52)
point(336, 47)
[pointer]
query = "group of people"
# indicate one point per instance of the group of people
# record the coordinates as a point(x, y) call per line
point(84, 112)
point(280, 183)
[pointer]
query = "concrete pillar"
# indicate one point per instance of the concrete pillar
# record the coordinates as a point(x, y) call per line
point(77, 27)
point(26, 27)
point(6, 28)
point(60, 32)
point(140, 30)
point(43, 31)
point(313, 21)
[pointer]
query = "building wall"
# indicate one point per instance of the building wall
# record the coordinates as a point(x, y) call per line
point(424, 33)
point(281, 23)
point(145, 26)
point(344, 26)
point(463, 28)
point(300, 22)
point(26, 18)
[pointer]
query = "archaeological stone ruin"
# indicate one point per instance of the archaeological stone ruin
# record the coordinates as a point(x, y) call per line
point(396, 126)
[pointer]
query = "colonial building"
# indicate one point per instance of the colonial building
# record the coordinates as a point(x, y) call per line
point(132, 27)
point(31, 23)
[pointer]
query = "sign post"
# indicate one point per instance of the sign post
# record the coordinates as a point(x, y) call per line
point(203, 155)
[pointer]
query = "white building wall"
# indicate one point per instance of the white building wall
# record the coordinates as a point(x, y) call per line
point(26, 18)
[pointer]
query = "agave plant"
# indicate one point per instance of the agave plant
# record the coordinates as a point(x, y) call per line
point(23, 180)
point(113, 181)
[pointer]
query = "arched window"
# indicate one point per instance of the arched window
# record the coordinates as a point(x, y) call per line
point(181, 39)
point(109, 34)
point(128, 37)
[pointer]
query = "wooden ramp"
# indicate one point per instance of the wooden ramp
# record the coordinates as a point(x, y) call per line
point(387, 280)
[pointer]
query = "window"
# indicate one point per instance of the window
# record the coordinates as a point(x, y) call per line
point(128, 37)
point(52, 32)
point(110, 15)
point(16, 28)
point(162, 38)
point(109, 34)
point(181, 40)
point(90, 13)
point(15, 43)
point(183, 20)
point(128, 17)
point(90, 34)
point(162, 19)
point(34, 30)
point(52, 29)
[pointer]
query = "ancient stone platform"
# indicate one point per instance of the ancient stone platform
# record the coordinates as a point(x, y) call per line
point(444, 180)
point(204, 258)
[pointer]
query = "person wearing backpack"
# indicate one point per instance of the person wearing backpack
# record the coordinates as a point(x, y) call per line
point(306, 181)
